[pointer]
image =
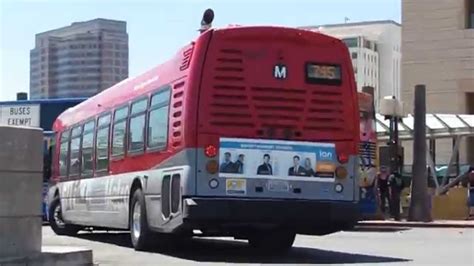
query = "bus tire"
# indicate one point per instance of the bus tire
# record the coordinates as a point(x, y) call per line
point(270, 241)
point(56, 221)
point(140, 233)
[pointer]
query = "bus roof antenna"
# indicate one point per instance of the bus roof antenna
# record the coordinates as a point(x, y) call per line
point(207, 18)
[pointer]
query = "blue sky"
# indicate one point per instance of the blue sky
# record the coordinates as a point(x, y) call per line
point(157, 28)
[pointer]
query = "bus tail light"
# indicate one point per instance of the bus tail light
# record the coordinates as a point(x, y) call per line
point(341, 172)
point(212, 166)
point(343, 158)
point(210, 151)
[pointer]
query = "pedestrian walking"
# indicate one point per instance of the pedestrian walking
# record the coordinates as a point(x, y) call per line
point(383, 190)
point(396, 186)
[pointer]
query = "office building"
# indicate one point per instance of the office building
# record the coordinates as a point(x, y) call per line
point(438, 51)
point(79, 60)
point(375, 52)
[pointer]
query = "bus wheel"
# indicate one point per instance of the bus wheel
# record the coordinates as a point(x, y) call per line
point(140, 233)
point(270, 241)
point(56, 220)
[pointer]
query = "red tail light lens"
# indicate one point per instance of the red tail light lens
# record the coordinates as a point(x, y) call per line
point(210, 151)
point(343, 158)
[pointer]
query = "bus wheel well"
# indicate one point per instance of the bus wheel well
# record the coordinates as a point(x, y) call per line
point(56, 193)
point(135, 185)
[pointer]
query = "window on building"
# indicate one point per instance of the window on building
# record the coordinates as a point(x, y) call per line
point(64, 153)
point(158, 120)
point(367, 44)
point(75, 156)
point(137, 126)
point(87, 149)
point(350, 42)
point(354, 55)
point(119, 131)
point(470, 14)
point(102, 143)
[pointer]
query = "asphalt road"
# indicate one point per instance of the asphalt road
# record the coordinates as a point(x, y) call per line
point(363, 246)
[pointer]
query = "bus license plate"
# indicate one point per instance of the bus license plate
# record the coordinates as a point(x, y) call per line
point(278, 186)
point(236, 186)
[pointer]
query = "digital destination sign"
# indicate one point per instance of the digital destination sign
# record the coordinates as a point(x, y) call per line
point(323, 74)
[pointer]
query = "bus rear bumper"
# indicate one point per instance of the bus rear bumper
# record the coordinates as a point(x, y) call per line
point(304, 216)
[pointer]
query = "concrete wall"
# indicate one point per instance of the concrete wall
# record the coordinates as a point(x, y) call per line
point(438, 51)
point(21, 177)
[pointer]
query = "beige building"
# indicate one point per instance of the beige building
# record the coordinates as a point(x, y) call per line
point(79, 60)
point(438, 51)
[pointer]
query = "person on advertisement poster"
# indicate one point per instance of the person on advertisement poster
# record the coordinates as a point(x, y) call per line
point(308, 167)
point(296, 169)
point(227, 166)
point(239, 165)
point(266, 167)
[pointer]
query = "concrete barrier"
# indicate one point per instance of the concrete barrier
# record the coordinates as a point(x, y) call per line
point(21, 166)
point(21, 187)
point(451, 206)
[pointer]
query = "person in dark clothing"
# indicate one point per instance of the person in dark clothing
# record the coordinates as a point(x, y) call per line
point(308, 167)
point(226, 166)
point(239, 165)
point(382, 184)
point(266, 167)
point(296, 169)
point(396, 185)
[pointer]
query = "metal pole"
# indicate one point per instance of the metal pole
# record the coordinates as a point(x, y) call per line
point(456, 154)
point(419, 208)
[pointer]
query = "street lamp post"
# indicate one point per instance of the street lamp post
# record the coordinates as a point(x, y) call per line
point(392, 109)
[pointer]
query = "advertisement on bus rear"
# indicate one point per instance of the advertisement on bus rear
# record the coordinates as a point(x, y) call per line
point(277, 159)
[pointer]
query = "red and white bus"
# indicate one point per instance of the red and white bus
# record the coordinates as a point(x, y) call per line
point(249, 132)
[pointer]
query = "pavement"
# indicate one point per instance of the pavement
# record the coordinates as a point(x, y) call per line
point(365, 245)
point(437, 223)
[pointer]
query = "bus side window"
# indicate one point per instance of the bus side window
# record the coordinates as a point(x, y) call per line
point(102, 144)
point(64, 153)
point(87, 149)
point(119, 132)
point(136, 130)
point(75, 156)
point(158, 120)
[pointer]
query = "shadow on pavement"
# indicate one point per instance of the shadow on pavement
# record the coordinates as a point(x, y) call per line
point(223, 250)
point(378, 229)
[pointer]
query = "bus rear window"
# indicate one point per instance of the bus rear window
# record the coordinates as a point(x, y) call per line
point(327, 74)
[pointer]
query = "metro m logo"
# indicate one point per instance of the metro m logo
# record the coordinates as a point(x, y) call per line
point(279, 72)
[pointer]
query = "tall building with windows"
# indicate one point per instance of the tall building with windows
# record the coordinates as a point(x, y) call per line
point(79, 60)
point(375, 52)
point(438, 51)
point(365, 61)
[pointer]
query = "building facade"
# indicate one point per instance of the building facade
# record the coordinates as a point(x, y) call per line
point(79, 60)
point(375, 52)
point(365, 61)
point(438, 51)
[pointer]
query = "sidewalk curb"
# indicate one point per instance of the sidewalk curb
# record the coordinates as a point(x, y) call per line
point(461, 224)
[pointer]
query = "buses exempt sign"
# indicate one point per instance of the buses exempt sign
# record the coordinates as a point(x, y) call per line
point(20, 115)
